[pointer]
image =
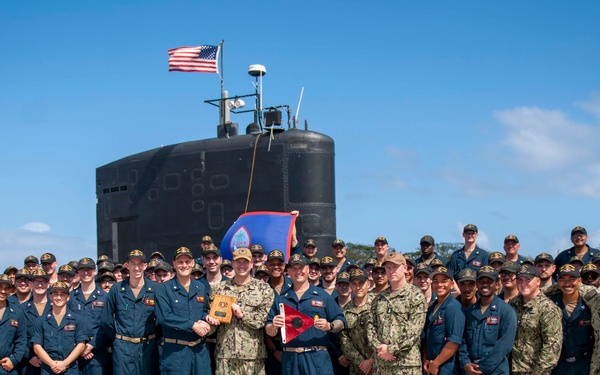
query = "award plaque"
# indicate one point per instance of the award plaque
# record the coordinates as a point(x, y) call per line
point(220, 308)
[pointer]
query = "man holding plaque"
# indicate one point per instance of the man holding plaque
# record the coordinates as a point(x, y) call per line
point(240, 347)
point(305, 315)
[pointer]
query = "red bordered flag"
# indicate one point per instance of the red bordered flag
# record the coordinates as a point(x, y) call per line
point(295, 323)
point(201, 59)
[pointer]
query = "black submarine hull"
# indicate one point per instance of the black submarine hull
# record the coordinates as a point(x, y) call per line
point(161, 199)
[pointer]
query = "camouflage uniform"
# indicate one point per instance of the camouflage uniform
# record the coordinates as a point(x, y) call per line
point(539, 338)
point(397, 319)
point(240, 345)
point(354, 338)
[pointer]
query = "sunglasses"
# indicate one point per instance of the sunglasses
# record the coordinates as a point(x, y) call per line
point(591, 277)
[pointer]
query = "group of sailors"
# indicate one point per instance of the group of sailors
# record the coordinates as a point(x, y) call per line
point(475, 313)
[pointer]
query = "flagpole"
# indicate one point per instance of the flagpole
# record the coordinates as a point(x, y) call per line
point(222, 72)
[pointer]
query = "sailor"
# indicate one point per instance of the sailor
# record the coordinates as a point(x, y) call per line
point(491, 325)
point(39, 305)
point(306, 353)
point(13, 329)
point(60, 335)
point(578, 334)
point(182, 311)
point(444, 327)
point(87, 301)
point(129, 319)
point(470, 255)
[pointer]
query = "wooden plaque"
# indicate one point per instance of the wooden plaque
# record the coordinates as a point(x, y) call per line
point(220, 308)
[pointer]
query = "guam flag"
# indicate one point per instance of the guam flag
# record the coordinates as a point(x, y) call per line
point(271, 230)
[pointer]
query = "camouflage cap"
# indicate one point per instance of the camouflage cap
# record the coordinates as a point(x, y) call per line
point(309, 242)
point(66, 268)
point(23, 272)
point(183, 251)
point(487, 271)
point(510, 266)
point(275, 254)
point(31, 258)
point(358, 275)
point(466, 274)
point(242, 253)
point(136, 254)
point(435, 263)
point(262, 268)
point(529, 271)
point(511, 237)
point(423, 268)
point(470, 228)
point(86, 263)
point(380, 239)
point(225, 263)
point(207, 239)
point(5, 279)
point(10, 269)
point(59, 285)
point(328, 261)
point(543, 256)
point(256, 248)
point(343, 277)
point(568, 269)
point(578, 230)
point(590, 268)
point(338, 242)
point(576, 259)
point(297, 259)
point(496, 256)
point(211, 249)
point(395, 258)
point(39, 274)
point(441, 271)
point(427, 239)
point(47, 258)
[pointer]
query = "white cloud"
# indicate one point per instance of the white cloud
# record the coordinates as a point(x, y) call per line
point(546, 139)
point(592, 106)
point(36, 227)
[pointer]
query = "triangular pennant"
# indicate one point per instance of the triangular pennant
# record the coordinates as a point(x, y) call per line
point(295, 323)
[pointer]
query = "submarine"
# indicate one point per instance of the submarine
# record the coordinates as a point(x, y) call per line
point(172, 196)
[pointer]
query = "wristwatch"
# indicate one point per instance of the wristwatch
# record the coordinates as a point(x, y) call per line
point(331, 326)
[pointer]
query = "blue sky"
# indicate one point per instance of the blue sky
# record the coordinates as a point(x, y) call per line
point(443, 113)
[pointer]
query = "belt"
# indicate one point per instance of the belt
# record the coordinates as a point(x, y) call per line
point(135, 340)
point(183, 342)
point(305, 349)
point(575, 358)
point(212, 341)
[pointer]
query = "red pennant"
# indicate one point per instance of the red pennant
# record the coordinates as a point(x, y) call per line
point(295, 323)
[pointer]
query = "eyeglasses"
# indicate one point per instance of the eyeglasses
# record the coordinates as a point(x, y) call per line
point(592, 277)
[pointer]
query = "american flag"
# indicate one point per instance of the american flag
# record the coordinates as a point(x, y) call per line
point(201, 59)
